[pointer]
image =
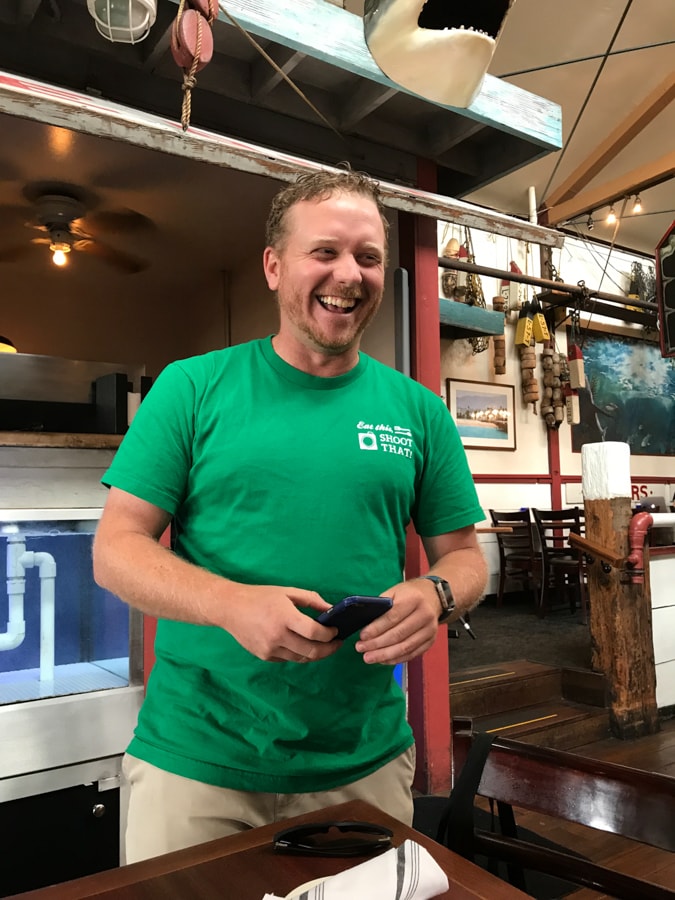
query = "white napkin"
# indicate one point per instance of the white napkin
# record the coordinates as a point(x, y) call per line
point(408, 872)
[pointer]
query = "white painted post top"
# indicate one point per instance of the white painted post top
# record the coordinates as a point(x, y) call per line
point(605, 470)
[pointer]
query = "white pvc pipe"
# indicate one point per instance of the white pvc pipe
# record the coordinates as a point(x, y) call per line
point(16, 589)
point(661, 520)
point(47, 570)
point(532, 202)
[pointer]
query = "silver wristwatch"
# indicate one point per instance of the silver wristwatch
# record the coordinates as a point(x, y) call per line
point(444, 592)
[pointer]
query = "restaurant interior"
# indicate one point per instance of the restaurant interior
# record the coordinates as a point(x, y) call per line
point(568, 662)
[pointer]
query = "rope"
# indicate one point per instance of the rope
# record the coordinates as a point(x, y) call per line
point(189, 75)
point(277, 68)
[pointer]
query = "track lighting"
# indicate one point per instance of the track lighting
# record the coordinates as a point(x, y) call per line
point(637, 206)
point(123, 21)
point(611, 216)
point(589, 222)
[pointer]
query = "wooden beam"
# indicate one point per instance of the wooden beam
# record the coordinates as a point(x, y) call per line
point(649, 175)
point(622, 135)
point(264, 77)
point(366, 99)
point(445, 135)
point(153, 53)
point(69, 109)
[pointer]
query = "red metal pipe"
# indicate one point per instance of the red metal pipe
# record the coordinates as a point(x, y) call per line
point(637, 532)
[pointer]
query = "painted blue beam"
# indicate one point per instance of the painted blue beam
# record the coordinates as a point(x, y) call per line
point(336, 36)
point(472, 321)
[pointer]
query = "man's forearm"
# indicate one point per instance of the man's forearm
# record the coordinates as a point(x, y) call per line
point(466, 572)
point(153, 579)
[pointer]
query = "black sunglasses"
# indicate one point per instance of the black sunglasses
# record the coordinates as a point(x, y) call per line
point(319, 839)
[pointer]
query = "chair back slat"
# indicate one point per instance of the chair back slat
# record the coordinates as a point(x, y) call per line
point(518, 557)
point(562, 563)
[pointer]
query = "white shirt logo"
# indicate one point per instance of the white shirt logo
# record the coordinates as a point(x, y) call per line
point(389, 439)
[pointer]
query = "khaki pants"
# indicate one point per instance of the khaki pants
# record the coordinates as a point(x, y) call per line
point(168, 812)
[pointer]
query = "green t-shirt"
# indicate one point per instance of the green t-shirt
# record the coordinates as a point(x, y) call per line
point(274, 476)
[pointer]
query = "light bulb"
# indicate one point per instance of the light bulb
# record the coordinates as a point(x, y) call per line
point(637, 206)
point(120, 13)
point(611, 216)
point(59, 258)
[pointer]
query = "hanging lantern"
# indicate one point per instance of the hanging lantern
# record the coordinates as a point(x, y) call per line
point(123, 21)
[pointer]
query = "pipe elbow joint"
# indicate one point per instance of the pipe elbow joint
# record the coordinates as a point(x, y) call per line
point(14, 636)
point(44, 561)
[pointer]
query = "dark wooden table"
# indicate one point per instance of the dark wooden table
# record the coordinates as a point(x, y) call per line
point(245, 867)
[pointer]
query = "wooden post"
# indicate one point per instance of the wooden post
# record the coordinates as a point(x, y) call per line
point(620, 610)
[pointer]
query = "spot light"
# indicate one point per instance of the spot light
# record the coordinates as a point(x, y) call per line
point(637, 206)
point(611, 216)
point(123, 21)
point(589, 222)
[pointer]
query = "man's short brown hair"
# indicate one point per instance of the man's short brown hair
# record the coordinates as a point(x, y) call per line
point(320, 185)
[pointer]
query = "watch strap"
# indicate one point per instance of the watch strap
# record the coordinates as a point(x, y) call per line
point(444, 592)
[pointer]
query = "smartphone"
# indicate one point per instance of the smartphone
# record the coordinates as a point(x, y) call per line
point(354, 613)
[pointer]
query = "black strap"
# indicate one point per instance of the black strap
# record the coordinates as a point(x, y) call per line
point(455, 829)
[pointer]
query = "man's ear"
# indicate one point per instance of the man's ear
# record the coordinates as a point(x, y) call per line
point(271, 265)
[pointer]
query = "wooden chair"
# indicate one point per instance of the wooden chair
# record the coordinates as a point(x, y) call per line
point(563, 566)
point(617, 799)
point(518, 558)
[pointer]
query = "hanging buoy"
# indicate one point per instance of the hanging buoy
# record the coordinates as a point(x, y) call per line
point(499, 341)
point(576, 366)
point(510, 289)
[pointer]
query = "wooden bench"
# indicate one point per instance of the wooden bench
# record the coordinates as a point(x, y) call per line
point(613, 798)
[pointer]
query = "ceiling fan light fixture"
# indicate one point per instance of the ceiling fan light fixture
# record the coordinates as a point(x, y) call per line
point(61, 245)
point(59, 253)
point(123, 21)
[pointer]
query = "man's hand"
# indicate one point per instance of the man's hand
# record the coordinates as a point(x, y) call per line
point(407, 630)
point(267, 621)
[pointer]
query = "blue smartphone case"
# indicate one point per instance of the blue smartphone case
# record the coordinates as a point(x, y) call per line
point(354, 613)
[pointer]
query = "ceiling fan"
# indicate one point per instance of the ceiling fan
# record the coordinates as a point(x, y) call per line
point(66, 224)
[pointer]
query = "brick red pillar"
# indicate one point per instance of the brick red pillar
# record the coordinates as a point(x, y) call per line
point(428, 677)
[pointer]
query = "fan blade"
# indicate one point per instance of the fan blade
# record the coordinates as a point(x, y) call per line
point(122, 221)
point(12, 216)
point(116, 258)
point(13, 254)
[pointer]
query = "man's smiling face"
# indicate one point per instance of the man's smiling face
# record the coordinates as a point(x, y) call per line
point(328, 273)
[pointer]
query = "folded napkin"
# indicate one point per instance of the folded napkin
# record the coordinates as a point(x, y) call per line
point(407, 872)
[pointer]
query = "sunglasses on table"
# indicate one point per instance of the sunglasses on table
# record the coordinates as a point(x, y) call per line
point(334, 839)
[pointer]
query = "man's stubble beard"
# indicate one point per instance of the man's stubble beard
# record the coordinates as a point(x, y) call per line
point(293, 309)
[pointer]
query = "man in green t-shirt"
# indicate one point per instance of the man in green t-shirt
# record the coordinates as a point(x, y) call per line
point(290, 468)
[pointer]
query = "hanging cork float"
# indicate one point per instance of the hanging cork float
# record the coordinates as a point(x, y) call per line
point(553, 406)
point(499, 340)
point(524, 341)
point(449, 276)
point(528, 379)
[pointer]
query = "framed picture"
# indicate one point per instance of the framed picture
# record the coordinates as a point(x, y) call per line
point(629, 395)
point(483, 413)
